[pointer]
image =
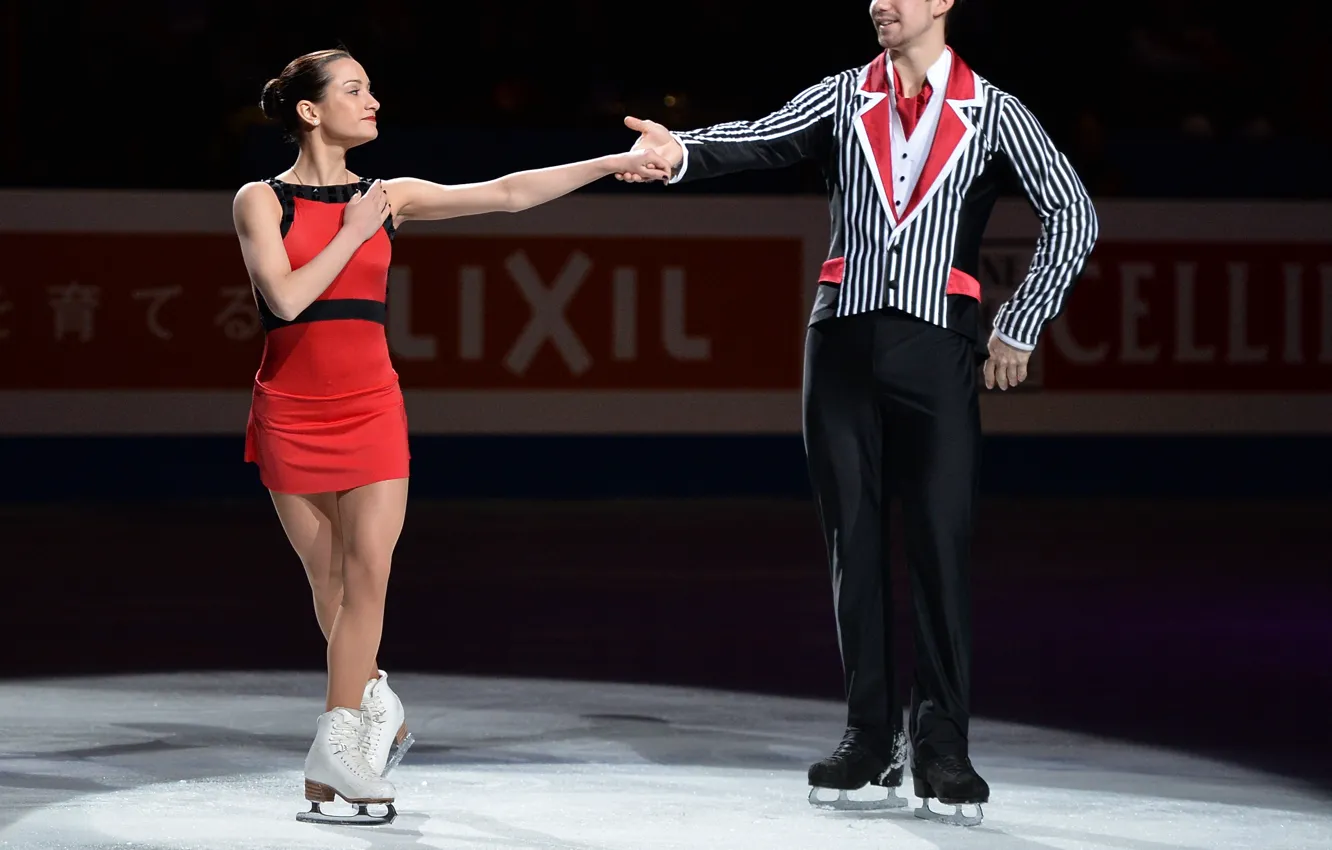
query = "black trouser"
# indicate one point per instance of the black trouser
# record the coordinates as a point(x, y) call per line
point(890, 404)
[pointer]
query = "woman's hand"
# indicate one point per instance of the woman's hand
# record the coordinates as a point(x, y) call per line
point(639, 166)
point(656, 138)
point(365, 214)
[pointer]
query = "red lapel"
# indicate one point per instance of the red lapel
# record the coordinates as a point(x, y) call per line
point(961, 86)
point(878, 124)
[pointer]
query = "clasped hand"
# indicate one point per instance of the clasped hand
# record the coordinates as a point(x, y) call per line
point(654, 138)
point(640, 166)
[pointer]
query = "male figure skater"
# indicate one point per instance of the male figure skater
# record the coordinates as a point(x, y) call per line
point(912, 146)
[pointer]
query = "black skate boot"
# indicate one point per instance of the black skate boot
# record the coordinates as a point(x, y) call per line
point(951, 780)
point(853, 765)
point(890, 778)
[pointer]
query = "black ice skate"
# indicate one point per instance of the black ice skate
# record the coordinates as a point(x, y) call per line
point(952, 781)
point(852, 766)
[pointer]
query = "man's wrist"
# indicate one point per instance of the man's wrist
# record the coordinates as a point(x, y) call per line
point(678, 171)
point(1013, 343)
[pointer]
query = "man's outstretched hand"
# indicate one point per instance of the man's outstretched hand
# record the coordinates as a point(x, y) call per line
point(1006, 366)
point(656, 138)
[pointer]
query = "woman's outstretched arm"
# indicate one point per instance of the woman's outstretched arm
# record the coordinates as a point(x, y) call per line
point(421, 200)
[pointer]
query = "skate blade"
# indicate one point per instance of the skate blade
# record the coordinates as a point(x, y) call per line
point(844, 803)
point(396, 753)
point(361, 818)
point(957, 818)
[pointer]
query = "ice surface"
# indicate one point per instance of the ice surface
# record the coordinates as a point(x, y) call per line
point(214, 761)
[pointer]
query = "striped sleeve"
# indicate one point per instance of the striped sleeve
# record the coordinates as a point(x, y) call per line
point(799, 130)
point(1069, 226)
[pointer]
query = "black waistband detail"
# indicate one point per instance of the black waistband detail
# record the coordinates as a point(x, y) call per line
point(324, 311)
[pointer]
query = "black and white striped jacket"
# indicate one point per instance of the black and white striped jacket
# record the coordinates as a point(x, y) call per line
point(923, 258)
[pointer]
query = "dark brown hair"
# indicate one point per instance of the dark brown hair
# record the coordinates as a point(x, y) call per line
point(305, 78)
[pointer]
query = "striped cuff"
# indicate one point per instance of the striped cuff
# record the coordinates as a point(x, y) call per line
point(1005, 338)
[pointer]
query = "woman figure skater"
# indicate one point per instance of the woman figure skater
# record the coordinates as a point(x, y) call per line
point(327, 425)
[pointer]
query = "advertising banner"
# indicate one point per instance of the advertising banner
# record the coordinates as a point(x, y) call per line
point(131, 313)
point(176, 312)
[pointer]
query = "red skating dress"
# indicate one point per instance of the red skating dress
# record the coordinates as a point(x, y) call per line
point(327, 413)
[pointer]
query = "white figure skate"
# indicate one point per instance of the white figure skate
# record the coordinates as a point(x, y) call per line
point(336, 767)
point(385, 739)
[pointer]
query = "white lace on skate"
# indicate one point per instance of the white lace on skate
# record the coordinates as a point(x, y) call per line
point(382, 713)
point(372, 739)
point(344, 738)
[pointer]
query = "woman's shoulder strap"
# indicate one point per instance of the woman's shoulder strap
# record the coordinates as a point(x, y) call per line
point(287, 199)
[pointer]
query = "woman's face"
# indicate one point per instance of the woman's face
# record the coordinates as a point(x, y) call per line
point(346, 114)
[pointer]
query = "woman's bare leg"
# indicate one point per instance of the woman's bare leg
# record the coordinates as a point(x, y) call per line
point(370, 520)
point(312, 527)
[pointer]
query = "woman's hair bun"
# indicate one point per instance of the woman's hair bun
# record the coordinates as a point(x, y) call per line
point(268, 101)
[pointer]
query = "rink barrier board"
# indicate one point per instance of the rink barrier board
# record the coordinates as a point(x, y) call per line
point(138, 469)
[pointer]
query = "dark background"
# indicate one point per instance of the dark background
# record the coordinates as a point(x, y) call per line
point(1172, 590)
point(1166, 100)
